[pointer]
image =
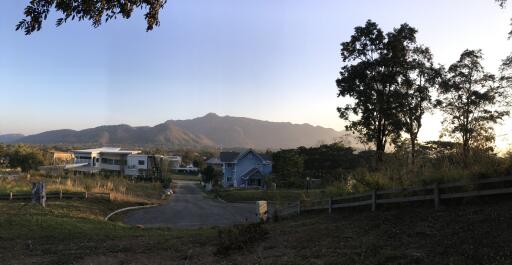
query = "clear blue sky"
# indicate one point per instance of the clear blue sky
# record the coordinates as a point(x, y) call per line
point(268, 59)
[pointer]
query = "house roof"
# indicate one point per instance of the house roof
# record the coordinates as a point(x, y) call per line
point(213, 161)
point(254, 173)
point(228, 157)
point(107, 150)
point(231, 157)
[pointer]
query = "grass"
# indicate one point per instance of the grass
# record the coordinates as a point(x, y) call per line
point(120, 189)
point(74, 233)
point(177, 176)
point(477, 232)
point(69, 231)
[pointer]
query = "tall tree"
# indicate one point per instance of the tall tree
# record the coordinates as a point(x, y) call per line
point(370, 79)
point(95, 11)
point(419, 76)
point(472, 100)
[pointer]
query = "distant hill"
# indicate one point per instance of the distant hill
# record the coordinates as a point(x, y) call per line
point(9, 138)
point(207, 131)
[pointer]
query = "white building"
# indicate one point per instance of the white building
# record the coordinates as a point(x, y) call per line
point(123, 162)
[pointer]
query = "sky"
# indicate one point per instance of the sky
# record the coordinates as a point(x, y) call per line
point(273, 60)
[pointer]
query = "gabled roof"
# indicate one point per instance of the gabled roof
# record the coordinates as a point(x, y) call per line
point(254, 173)
point(232, 157)
point(213, 161)
point(228, 157)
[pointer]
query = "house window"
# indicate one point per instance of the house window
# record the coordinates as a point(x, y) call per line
point(230, 179)
point(142, 162)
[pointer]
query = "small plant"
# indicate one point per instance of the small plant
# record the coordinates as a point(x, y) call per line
point(239, 237)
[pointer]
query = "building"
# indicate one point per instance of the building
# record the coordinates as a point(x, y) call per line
point(123, 162)
point(59, 157)
point(243, 169)
point(105, 159)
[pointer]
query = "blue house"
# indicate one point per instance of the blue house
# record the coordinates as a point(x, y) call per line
point(243, 169)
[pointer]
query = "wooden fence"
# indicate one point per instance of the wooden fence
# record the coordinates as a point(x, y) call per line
point(435, 193)
point(56, 195)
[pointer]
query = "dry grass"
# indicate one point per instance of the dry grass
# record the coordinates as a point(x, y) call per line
point(120, 189)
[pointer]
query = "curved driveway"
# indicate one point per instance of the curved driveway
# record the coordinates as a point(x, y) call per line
point(189, 208)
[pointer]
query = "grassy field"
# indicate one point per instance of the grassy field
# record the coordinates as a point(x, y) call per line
point(177, 176)
point(71, 230)
point(120, 189)
point(74, 232)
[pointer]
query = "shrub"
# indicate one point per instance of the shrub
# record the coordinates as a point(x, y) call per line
point(239, 237)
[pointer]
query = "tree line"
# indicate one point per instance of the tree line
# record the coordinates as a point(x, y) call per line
point(391, 82)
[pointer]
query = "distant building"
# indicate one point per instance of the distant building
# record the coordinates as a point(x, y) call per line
point(123, 162)
point(59, 157)
point(242, 169)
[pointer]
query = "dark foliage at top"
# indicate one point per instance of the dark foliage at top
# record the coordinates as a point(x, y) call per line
point(96, 11)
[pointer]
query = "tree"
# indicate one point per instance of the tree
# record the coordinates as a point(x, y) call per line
point(211, 175)
point(370, 79)
point(472, 100)
point(198, 162)
point(25, 158)
point(502, 3)
point(95, 11)
point(419, 76)
point(288, 166)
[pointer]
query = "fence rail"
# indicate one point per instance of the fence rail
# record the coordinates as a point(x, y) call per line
point(56, 195)
point(435, 193)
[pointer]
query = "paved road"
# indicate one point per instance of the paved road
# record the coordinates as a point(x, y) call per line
point(189, 208)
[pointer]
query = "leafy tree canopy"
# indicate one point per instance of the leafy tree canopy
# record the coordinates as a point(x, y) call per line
point(473, 100)
point(96, 11)
point(378, 67)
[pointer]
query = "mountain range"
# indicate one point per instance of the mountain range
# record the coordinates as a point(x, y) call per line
point(210, 130)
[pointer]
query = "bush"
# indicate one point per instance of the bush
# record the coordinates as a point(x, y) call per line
point(239, 237)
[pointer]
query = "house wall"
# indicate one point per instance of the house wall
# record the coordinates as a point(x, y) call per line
point(79, 157)
point(132, 166)
point(229, 174)
point(246, 163)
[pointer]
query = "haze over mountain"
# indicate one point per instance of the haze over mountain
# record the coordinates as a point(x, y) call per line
point(8, 138)
point(210, 130)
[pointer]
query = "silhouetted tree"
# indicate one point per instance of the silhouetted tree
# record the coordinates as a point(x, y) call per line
point(371, 79)
point(419, 76)
point(472, 101)
point(288, 166)
point(95, 11)
point(211, 175)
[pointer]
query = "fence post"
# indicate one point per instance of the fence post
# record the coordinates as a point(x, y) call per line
point(330, 205)
point(436, 196)
point(298, 207)
point(86, 194)
point(10, 196)
point(374, 200)
point(60, 194)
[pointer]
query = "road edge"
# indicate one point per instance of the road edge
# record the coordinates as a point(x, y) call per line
point(129, 208)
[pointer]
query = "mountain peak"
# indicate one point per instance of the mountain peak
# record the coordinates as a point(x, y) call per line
point(210, 130)
point(211, 115)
